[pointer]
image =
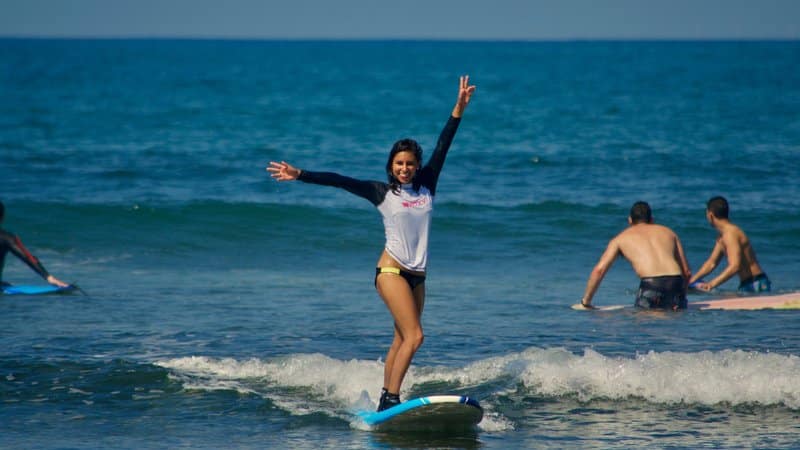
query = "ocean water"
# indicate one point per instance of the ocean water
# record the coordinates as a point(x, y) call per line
point(225, 310)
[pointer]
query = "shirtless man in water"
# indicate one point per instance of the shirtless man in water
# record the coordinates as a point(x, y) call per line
point(733, 243)
point(656, 254)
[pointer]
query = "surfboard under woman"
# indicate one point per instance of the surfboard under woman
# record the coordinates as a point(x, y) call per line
point(406, 204)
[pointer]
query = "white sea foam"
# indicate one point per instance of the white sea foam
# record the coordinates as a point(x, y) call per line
point(336, 380)
point(708, 378)
point(306, 383)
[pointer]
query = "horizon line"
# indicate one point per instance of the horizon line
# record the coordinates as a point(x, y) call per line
point(395, 39)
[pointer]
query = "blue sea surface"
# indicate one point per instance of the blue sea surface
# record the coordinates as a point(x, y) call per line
point(226, 310)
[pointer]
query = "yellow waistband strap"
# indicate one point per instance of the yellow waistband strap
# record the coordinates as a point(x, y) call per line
point(393, 270)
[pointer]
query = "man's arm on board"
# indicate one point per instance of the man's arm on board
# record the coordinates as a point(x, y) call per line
point(687, 272)
point(711, 263)
point(733, 250)
point(599, 271)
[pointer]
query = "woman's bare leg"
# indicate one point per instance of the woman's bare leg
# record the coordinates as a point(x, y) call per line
point(406, 309)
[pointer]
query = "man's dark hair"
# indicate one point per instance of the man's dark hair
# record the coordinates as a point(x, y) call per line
point(641, 213)
point(718, 206)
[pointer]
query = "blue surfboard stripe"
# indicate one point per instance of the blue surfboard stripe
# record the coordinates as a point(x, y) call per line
point(375, 418)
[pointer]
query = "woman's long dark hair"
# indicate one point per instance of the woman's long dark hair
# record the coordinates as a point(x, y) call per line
point(403, 145)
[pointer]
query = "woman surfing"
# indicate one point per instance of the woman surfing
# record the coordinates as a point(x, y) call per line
point(406, 202)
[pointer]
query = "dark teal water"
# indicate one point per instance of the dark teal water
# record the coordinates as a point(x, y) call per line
point(227, 310)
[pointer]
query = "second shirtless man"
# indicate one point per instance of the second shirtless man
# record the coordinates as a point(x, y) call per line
point(657, 257)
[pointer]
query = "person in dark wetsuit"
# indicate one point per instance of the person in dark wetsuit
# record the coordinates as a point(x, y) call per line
point(734, 244)
point(656, 254)
point(10, 242)
point(406, 204)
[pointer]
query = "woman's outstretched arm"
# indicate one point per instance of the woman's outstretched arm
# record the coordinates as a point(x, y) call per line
point(436, 162)
point(373, 191)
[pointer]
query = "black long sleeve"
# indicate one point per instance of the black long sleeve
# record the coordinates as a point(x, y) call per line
point(429, 175)
point(12, 243)
point(374, 191)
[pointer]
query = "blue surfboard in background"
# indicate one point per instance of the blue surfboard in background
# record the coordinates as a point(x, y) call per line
point(29, 289)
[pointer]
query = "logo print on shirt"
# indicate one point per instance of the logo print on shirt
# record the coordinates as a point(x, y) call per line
point(418, 203)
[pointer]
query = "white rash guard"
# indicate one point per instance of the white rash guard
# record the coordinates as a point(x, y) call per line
point(406, 210)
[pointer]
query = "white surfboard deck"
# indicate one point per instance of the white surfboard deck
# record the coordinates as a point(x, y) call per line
point(432, 413)
point(750, 303)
